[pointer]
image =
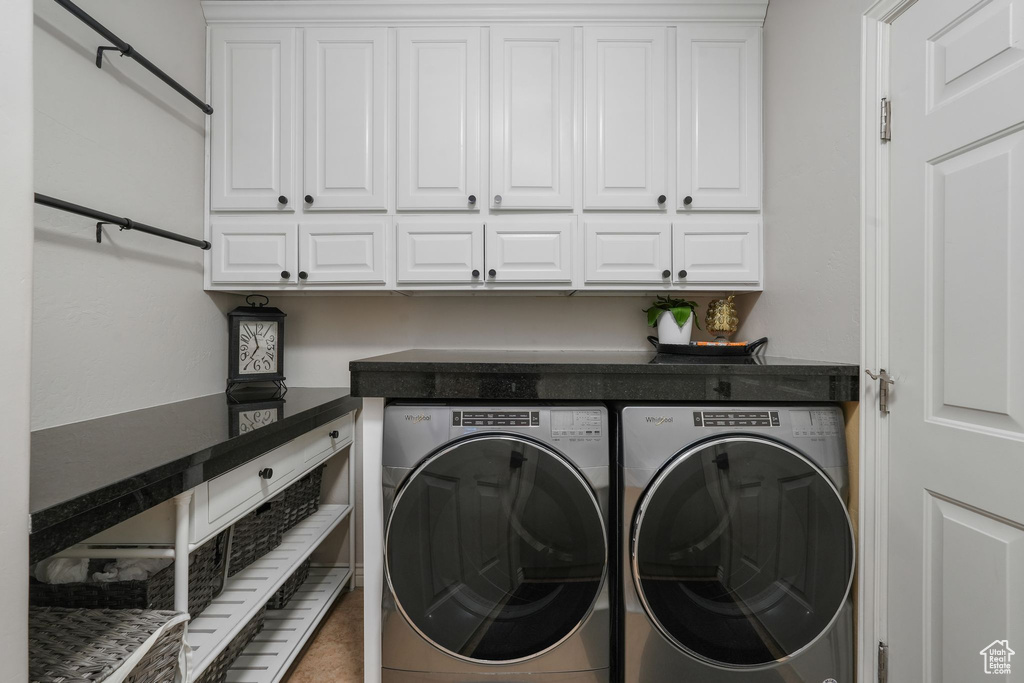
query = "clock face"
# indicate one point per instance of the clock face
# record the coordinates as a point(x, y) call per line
point(251, 420)
point(257, 347)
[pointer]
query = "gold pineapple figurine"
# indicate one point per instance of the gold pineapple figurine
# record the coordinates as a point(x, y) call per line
point(721, 318)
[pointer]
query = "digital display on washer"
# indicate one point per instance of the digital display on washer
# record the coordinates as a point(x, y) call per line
point(496, 418)
point(575, 423)
point(736, 418)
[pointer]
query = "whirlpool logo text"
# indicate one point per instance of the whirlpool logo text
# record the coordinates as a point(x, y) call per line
point(416, 419)
point(657, 421)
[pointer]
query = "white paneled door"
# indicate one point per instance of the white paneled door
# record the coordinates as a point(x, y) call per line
point(440, 250)
point(717, 249)
point(628, 251)
point(625, 132)
point(439, 118)
point(254, 253)
point(719, 90)
point(344, 250)
point(538, 249)
point(252, 90)
point(345, 107)
point(956, 327)
point(531, 118)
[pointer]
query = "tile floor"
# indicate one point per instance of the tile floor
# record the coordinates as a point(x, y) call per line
point(336, 654)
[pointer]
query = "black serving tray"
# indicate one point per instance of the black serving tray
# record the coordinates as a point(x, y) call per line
point(693, 349)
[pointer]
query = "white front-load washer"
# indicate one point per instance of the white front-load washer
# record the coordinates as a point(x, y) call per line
point(496, 545)
point(738, 550)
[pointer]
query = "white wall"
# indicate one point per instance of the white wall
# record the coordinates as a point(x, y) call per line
point(810, 307)
point(124, 324)
point(16, 270)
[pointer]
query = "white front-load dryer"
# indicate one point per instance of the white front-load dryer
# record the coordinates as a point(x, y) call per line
point(738, 550)
point(496, 544)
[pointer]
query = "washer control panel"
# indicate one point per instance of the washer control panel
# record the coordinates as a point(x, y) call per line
point(736, 418)
point(576, 424)
point(496, 418)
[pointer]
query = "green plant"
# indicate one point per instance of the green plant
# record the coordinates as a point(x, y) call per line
point(681, 310)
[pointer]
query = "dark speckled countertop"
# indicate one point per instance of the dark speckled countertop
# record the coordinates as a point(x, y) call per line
point(89, 476)
point(599, 375)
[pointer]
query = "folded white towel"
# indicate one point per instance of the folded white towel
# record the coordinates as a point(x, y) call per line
point(131, 569)
point(61, 570)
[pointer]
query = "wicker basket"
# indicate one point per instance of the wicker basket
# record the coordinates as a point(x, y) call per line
point(90, 644)
point(205, 580)
point(256, 534)
point(298, 577)
point(217, 672)
point(302, 499)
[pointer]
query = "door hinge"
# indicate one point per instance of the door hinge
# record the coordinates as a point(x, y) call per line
point(885, 131)
point(884, 380)
point(883, 662)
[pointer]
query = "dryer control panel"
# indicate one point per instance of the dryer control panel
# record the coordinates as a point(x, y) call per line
point(495, 418)
point(736, 418)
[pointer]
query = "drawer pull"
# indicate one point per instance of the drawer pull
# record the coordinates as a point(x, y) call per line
point(334, 434)
point(266, 473)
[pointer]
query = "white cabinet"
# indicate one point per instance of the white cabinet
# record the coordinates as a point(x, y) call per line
point(717, 249)
point(253, 253)
point(625, 89)
point(538, 249)
point(345, 129)
point(438, 118)
point(628, 250)
point(252, 90)
point(350, 250)
point(440, 250)
point(531, 118)
point(719, 88)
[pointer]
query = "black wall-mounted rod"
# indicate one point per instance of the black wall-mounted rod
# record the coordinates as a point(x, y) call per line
point(127, 50)
point(124, 223)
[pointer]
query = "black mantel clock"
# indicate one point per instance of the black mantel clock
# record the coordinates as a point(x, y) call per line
point(255, 344)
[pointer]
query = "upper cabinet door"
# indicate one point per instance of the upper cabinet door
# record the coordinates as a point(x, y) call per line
point(440, 250)
point(439, 118)
point(717, 249)
point(538, 249)
point(719, 117)
point(252, 85)
point(345, 133)
point(254, 253)
point(625, 131)
point(628, 250)
point(531, 118)
point(344, 250)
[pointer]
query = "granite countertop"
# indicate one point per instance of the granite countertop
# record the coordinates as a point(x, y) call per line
point(599, 375)
point(89, 476)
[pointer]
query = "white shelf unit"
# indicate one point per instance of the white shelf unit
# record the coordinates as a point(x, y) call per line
point(271, 653)
point(246, 592)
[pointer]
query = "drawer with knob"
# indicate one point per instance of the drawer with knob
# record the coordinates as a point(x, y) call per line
point(327, 439)
point(250, 484)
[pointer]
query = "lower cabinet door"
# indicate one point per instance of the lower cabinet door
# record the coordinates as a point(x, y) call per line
point(440, 250)
point(257, 254)
point(628, 251)
point(529, 250)
point(349, 251)
point(710, 250)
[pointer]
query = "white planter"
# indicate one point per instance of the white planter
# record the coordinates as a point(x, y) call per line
point(669, 331)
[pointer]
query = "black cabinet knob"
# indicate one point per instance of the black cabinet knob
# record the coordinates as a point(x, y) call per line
point(303, 275)
point(662, 199)
point(334, 434)
point(492, 272)
point(666, 273)
point(687, 200)
point(476, 273)
point(472, 199)
point(309, 199)
point(282, 200)
point(266, 473)
point(682, 274)
point(285, 275)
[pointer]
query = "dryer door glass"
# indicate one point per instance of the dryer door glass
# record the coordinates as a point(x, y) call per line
point(742, 552)
point(495, 549)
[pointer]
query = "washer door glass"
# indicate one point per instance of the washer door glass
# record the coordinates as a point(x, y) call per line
point(742, 552)
point(495, 549)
